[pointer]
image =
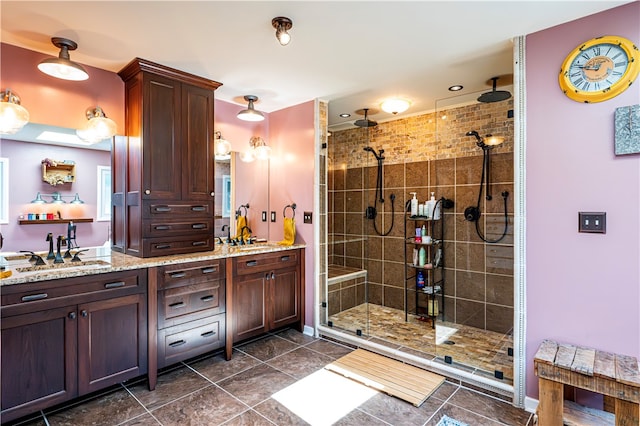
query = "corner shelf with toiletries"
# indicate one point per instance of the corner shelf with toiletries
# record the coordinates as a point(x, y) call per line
point(424, 255)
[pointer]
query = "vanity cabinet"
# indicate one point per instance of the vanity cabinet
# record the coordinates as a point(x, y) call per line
point(64, 338)
point(191, 310)
point(163, 177)
point(267, 293)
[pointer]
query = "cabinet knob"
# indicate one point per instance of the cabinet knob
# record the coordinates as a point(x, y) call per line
point(273, 276)
point(212, 194)
point(84, 313)
point(72, 315)
point(147, 191)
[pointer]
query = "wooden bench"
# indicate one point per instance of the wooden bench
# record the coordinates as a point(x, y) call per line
point(614, 376)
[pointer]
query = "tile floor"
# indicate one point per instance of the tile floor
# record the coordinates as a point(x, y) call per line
point(245, 391)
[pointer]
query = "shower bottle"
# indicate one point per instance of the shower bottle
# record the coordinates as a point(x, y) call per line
point(420, 280)
point(414, 205)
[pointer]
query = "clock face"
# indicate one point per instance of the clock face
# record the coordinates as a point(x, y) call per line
point(599, 69)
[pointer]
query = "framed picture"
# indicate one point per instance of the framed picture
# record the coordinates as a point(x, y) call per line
point(103, 212)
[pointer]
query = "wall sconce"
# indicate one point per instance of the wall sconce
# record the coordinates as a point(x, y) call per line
point(63, 67)
point(250, 114)
point(395, 106)
point(98, 128)
point(222, 147)
point(282, 25)
point(56, 198)
point(13, 116)
point(258, 149)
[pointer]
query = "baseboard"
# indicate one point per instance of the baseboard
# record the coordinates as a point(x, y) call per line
point(309, 331)
point(530, 404)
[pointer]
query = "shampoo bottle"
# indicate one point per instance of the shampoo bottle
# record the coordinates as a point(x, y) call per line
point(414, 205)
point(434, 208)
point(422, 256)
point(420, 280)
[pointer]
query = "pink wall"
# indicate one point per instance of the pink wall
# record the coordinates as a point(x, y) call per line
point(292, 138)
point(59, 102)
point(25, 180)
point(582, 288)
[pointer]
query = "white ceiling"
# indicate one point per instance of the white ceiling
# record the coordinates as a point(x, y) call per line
point(350, 53)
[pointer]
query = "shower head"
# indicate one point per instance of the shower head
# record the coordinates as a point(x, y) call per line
point(476, 135)
point(494, 95)
point(365, 122)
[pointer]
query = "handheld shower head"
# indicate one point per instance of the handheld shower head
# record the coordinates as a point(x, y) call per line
point(378, 156)
point(475, 134)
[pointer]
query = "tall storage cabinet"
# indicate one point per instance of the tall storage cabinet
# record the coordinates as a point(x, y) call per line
point(163, 182)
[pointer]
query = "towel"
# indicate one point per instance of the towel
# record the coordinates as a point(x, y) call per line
point(289, 232)
point(241, 222)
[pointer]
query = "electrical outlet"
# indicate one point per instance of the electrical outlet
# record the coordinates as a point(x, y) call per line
point(264, 216)
point(592, 222)
point(307, 217)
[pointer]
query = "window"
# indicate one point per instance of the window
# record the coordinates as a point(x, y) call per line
point(4, 190)
point(104, 194)
point(226, 195)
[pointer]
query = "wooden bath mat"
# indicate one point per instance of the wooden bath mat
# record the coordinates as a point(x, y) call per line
point(403, 381)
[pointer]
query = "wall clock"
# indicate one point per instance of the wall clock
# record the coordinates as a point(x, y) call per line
point(599, 69)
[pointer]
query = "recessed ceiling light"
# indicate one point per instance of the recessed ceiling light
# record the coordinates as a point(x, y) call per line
point(455, 88)
point(345, 115)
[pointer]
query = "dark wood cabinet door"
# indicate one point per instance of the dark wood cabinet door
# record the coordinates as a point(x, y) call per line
point(161, 145)
point(38, 361)
point(285, 288)
point(112, 341)
point(197, 143)
point(249, 305)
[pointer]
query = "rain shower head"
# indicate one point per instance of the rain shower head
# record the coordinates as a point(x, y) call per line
point(365, 122)
point(494, 95)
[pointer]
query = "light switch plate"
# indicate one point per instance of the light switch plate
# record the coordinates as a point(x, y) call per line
point(592, 222)
point(273, 216)
point(264, 216)
point(307, 217)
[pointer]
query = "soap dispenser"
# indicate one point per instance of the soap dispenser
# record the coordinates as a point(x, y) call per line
point(433, 208)
point(414, 205)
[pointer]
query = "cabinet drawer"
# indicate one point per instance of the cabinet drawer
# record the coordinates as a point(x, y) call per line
point(154, 209)
point(190, 273)
point(187, 300)
point(177, 245)
point(190, 339)
point(46, 294)
point(263, 262)
point(160, 228)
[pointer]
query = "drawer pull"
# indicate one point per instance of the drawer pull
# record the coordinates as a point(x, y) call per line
point(177, 343)
point(199, 243)
point(208, 298)
point(33, 297)
point(161, 227)
point(178, 275)
point(284, 258)
point(198, 208)
point(208, 333)
point(115, 285)
point(199, 226)
point(209, 270)
point(252, 263)
point(163, 209)
point(163, 246)
point(176, 305)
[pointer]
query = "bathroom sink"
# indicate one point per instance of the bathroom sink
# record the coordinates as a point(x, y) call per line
point(67, 264)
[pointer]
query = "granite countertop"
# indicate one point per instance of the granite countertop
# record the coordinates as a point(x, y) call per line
point(101, 260)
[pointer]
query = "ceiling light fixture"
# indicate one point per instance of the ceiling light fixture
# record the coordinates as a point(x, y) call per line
point(258, 149)
point(63, 67)
point(98, 128)
point(345, 115)
point(395, 105)
point(222, 147)
point(13, 116)
point(456, 88)
point(282, 25)
point(250, 114)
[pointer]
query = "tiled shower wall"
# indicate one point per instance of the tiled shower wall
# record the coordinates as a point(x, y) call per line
point(425, 154)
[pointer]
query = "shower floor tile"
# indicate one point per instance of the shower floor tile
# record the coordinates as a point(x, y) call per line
point(484, 350)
